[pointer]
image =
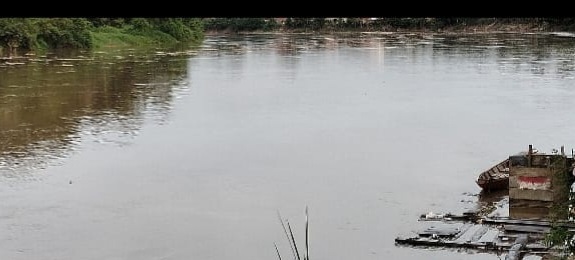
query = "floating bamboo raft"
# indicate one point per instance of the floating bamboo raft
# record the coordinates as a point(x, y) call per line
point(517, 237)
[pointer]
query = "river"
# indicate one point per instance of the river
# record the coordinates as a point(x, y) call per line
point(190, 152)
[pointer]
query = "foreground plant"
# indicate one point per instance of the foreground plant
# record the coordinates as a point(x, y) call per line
point(291, 238)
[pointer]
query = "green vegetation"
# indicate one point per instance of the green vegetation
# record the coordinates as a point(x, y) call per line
point(240, 24)
point(63, 33)
point(386, 24)
point(560, 236)
point(45, 33)
point(84, 33)
point(18, 33)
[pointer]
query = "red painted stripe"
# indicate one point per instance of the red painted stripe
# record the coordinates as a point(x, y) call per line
point(538, 180)
point(534, 183)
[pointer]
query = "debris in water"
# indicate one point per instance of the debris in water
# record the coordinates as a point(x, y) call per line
point(431, 215)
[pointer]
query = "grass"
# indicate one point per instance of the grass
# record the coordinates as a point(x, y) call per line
point(108, 36)
point(291, 238)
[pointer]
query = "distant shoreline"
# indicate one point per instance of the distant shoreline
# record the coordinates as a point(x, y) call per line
point(41, 34)
point(480, 26)
point(505, 28)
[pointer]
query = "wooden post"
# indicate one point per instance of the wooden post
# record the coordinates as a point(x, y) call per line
point(563, 150)
point(529, 153)
point(517, 247)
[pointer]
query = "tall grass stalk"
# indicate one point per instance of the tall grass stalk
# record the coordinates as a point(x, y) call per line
point(278, 251)
point(306, 257)
point(291, 238)
point(287, 236)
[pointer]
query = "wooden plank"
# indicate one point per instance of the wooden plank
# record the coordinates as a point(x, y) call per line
point(538, 223)
point(526, 229)
point(502, 168)
point(513, 183)
point(530, 203)
point(479, 233)
point(483, 243)
point(530, 171)
point(542, 195)
point(528, 212)
point(536, 248)
point(463, 229)
point(469, 234)
point(543, 223)
point(443, 229)
point(515, 250)
point(489, 237)
point(442, 243)
point(529, 155)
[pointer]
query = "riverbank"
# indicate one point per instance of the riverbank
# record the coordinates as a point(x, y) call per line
point(38, 34)
point(24, 35)
point(518, 28)
point(108, 36)
point(402, 25)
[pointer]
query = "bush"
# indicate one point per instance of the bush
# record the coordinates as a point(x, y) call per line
point(100, 22)
point(176, 27)
point(140, 25)
point(17, 33)
point(65, 33)
point(30, 33)
point(240, 24)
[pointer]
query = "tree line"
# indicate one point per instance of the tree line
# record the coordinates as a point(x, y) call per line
point(34, 33)
point(381, 23)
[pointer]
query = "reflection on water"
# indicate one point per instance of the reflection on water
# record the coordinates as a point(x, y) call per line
point(498, 204)
point(367, 129)
point(514, 53)
point(48, 102)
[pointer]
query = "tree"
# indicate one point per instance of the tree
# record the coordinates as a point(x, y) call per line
point(17, 33)
point(65, 32)
point(182, 29)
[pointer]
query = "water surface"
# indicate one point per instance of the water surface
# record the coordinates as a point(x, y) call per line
point(190, 153)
